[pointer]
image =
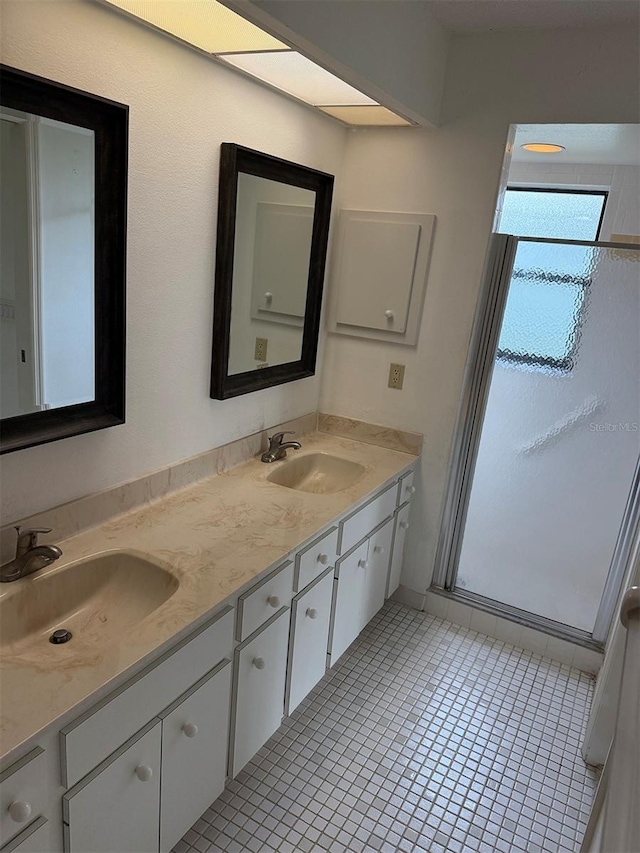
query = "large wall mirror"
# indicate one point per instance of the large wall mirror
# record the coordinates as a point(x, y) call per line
point(273, 226)
point(63, 182)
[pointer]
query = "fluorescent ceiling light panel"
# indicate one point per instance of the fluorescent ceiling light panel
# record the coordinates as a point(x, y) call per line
point(298, 76)
point(371, 116)
point(203, 23)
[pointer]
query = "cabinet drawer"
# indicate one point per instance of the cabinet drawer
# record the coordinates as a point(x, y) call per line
point(117, 807)
point(314, 559)
point(260, 672)
point(368, 517)
point(195, 735)
point(406, 487)
point(401, 527)
point(259, 604)
point(35, 838)
point(23, 785)
point(95, 735)
point(310, 620)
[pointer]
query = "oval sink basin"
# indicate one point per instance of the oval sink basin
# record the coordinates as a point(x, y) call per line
point(97, 599)
point(320, 473)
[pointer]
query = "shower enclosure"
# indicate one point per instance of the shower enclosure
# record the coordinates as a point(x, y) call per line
point(545, 483)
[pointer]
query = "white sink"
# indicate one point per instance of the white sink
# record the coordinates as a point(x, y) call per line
point(320, 473)
point(97, 599)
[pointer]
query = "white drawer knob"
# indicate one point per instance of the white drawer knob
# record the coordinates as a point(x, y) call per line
point(274, 601)
point(144, 772)
point(190, 729)
point(323, 559)
point(268, 296)
point(364, 564)
point(20, 812)
point(312, 613)
point(404, 525)
point(378, 549)
point(258, 663)
point(411, 490)
point(388, 314)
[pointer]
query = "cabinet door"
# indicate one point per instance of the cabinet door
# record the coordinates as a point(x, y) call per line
point(310, 620)
point(195, 735)
point(117, 806)
point(402, 525)
point(348, 601)
point(377, 571)
point(260, 674)
point(36, 838)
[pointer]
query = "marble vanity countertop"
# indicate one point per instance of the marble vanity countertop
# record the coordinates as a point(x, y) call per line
point(215, 537)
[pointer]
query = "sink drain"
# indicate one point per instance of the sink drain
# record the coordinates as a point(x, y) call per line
point(60, 636)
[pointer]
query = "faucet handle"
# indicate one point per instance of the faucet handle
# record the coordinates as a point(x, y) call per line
point(28, 538)
point(277, 437)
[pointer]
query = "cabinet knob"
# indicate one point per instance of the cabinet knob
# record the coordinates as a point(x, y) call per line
point(312, 613)
point(411, 490)
point(190, 729)
point(388, 314)
point(258, 663)
point(20, 812)
point(378, 549)
point(323, 559)
point(144, 772)
point(268, 296)
point(274, 601)
point(364, 564)
point(404, 525)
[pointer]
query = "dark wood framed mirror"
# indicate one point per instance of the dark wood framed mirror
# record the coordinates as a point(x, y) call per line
point(273, 230)
point(62, 296)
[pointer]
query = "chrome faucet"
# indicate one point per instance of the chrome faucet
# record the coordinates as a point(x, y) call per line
point(278, 448)
point(30, 557)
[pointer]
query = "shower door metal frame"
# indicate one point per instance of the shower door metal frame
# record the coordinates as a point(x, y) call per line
point(464, 453)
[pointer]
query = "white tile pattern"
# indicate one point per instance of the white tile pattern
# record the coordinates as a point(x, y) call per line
point(426, 737)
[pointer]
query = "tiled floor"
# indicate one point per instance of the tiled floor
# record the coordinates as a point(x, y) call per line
point(425, 737)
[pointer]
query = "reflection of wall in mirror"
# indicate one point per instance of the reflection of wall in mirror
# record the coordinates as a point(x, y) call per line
point(67, 234)
point(47, 281)
point(17, 392)
point(284, 339)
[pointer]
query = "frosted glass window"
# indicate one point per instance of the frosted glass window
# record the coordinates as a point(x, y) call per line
point(566, 215)
point(541, 323)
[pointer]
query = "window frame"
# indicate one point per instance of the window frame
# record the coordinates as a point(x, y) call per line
point(540, 361)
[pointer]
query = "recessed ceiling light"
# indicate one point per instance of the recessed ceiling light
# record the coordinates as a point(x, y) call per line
point(206, 24)
point(366, 116)
point(298, 76)
point(543, 147)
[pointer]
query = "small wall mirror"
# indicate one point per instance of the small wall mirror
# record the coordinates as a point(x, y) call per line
point(63, 173)
point(273, 226)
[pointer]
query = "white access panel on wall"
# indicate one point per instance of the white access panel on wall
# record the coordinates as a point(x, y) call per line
point(380, 274)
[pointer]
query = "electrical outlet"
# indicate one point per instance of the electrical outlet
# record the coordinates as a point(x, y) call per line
point(260, 353)
point(396, 376)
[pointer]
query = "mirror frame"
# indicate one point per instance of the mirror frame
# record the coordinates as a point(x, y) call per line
point(234, 159)
point(109, 121)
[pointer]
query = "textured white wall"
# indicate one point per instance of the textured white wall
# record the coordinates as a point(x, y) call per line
point(182, 106)
point(454, 172)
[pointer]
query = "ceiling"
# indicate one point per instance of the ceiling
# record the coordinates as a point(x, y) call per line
point(467, 16)
point(608, 144)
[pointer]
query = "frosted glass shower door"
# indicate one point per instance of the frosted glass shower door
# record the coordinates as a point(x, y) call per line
point(561, 433)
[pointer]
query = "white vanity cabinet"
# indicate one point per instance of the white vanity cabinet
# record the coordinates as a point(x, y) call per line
point(260, 671)
point(401, 527)
point(194, 754)
point(35, 838)
point(310, 623)
point(117, 806)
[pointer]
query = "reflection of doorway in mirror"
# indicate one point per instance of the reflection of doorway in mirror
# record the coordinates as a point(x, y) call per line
point(47, 264)
point(274, 225)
